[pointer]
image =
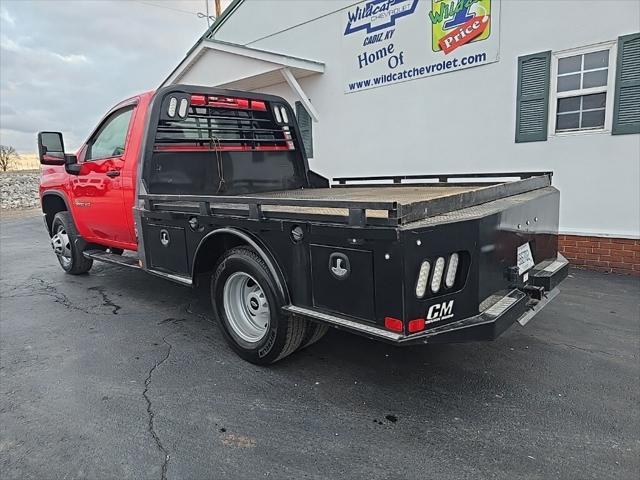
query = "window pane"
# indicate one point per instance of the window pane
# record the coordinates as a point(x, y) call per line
point(568, 121)
point(110, 141)
point(593, 119)
point(597, 100)
point(595, 79)
point(596, 60)
point(569, 82)
point(570, 104)
point(569, 64)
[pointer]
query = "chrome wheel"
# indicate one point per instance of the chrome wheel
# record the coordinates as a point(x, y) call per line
point(246, 306)
point(62, 246)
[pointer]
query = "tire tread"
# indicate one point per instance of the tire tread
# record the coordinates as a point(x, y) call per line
point(315, 332)
point(79, 264)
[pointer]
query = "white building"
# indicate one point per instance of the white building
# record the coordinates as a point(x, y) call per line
point(523, 86)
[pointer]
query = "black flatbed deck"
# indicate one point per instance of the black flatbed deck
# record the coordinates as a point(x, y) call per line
point(365, 204)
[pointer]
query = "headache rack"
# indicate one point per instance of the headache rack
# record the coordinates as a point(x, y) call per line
point(220, 123)
point(210, 141)
point(358, 205)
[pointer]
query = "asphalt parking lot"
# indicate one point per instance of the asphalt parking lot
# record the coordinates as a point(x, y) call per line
point(121, 375)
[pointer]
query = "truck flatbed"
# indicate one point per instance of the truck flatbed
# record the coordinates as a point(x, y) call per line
point(369, 204)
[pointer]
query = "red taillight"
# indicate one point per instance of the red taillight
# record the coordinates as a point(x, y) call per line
point(198, 100)
point(394, 324)
point(416, 325)
point(228, 102)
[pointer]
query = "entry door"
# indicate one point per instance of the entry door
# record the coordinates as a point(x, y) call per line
point(98, 195)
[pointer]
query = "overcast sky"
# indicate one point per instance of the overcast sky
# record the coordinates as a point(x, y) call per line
point(64, 63)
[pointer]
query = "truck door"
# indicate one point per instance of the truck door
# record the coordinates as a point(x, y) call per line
point(97, 191)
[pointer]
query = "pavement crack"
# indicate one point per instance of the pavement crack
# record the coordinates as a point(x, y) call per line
point(106, 301)
point(36, 285)
point(592, 351)
point(151, 414)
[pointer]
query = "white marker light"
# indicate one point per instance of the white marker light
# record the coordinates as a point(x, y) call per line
point(182, 111)
point(276, 112)
point(173, 103)
point(452, 269)
point(285, 117)
point(423, 276)
point(438, 270)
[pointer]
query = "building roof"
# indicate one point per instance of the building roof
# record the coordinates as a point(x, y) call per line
point(266, 69)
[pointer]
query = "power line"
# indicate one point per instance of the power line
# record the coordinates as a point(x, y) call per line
point(197, 14)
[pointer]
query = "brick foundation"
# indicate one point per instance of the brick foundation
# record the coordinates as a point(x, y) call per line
point(611, 255)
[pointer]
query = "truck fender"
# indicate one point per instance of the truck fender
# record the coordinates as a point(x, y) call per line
point(260, 249)
point(50, 210)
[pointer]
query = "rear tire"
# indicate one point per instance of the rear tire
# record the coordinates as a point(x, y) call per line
point(315, 332)
point(247, 304)
point(64, 245)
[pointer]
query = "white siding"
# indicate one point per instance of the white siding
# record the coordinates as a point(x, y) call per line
point(462, 121)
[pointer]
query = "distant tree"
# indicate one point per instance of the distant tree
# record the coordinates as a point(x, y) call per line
point(8, 156)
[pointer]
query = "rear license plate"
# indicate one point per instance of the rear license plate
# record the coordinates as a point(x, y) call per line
point(525, 258)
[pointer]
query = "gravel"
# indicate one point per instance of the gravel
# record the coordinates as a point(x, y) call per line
point(19, 190)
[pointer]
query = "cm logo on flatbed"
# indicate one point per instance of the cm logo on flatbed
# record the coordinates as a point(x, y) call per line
point(440, 311)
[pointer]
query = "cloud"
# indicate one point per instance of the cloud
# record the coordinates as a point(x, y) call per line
point(6, 16)
point(7, 44)
point(63, 64)
point(71, 58)
point(10, 45)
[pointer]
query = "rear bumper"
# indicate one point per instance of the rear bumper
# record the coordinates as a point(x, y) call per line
point(515, 305)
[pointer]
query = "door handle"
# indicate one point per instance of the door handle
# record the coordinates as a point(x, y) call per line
point(113, 173)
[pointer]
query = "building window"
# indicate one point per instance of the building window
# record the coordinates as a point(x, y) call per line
point(582, 89)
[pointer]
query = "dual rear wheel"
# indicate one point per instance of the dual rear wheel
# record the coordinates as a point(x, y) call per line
point(247, 303)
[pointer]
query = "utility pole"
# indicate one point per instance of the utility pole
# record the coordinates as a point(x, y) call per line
point(218, 9)
point(206, 2)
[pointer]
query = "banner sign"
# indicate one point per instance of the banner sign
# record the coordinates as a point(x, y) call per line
point(391, 41)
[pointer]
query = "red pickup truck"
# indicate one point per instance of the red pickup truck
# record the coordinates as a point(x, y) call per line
point(202, 184)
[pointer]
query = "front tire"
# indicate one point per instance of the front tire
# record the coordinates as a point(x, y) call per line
point(64, 245)
point(247, 304)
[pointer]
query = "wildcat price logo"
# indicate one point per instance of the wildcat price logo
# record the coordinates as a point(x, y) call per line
point(378, 15)
point(458, 22)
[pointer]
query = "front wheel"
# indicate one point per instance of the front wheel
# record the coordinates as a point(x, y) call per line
point(64, 245)
point(247, 305)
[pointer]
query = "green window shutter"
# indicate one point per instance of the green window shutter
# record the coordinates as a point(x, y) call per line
point(532, 102)
point(626, 104)
point(305, 124)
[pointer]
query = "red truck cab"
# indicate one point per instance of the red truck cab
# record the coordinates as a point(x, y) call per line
point(101, 195)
